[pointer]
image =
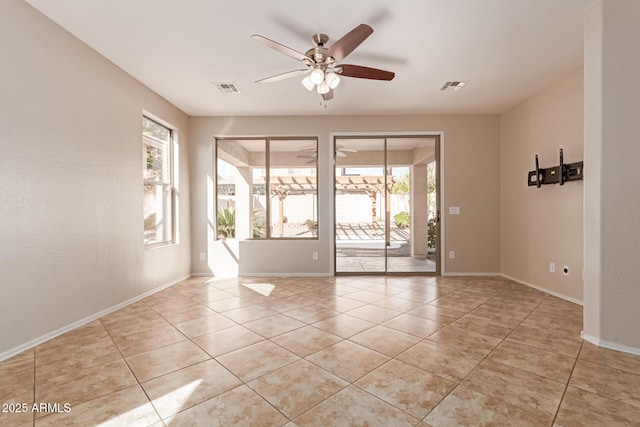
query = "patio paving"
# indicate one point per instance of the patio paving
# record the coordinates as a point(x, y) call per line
point(370, 264)
point(360, 249)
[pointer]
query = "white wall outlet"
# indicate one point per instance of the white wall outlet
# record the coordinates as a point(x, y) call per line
point(203, 256)
point(454, 210)
point(565, 270)
point(314, 256)
point(452, 255)
point(552, 267)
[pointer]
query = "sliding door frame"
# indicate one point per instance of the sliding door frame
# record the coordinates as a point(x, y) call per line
point(440, 218)
point(439, 156)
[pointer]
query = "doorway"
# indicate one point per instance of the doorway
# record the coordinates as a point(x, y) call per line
point(386, 204)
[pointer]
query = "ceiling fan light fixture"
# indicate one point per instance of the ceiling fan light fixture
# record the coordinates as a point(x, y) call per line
point(317, 76)
point(323, 88)
point(307, 83)
point(332, 79)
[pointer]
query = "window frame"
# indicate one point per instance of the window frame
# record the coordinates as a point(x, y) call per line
point(267, 153)
point(164, 183)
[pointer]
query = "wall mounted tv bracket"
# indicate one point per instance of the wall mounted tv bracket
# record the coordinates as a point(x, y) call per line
point(555, 175)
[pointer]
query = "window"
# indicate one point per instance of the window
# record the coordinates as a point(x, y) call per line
point(241, 189)
point(266, 188)
point(157, 175)
point(293, 193)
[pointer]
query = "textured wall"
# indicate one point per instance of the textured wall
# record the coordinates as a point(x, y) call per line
point(70, 167)
point(543, 225)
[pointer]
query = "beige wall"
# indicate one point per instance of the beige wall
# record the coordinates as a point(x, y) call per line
point(70, 168)
point(612, 196)
point(543, 225)
point(471, 147)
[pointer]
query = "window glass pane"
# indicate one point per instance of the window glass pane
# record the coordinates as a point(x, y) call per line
point(241, 198)
point(156, 139)
point(158, 214)
point(293, 188)
point(226, 202)
point(155, 159)
point(158, 189)
point(259, 208)
point(155, 130)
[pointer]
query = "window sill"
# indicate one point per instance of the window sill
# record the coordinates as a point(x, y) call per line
point(160, 245)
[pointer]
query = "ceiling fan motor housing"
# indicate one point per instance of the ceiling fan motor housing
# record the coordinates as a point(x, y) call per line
point(320, 39)
point(319, 53)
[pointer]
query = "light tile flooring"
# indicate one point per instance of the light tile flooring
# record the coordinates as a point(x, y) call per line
point(387, 351)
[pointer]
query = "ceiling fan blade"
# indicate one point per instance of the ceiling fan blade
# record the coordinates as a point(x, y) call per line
point(348, 150)
point(280, 47)
point(328, 96)
point(343, 47)
point(313, 153)
point(282, 76)
point(361, 72)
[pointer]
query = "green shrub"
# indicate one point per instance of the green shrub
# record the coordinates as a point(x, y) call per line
point(431, 233)
point(227, 222)
point(258, 228)
point(402, 219)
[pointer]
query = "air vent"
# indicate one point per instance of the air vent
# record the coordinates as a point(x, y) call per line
point(226, 87)
point(454, 85)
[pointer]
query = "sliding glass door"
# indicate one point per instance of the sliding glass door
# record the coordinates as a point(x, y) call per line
point(386, 204)
point(360, 203)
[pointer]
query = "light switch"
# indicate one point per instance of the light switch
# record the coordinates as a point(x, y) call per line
point(454, 210)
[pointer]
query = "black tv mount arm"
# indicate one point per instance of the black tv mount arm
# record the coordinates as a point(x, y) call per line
point(557, 174)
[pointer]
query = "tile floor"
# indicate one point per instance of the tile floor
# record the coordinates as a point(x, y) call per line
point(345, 351)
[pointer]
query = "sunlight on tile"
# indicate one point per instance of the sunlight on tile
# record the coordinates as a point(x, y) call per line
point(261, 288)
point(177, 398)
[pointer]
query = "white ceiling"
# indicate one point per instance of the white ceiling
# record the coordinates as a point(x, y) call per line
point(507, 49)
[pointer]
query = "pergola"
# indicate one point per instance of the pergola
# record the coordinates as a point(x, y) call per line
point(282, 186)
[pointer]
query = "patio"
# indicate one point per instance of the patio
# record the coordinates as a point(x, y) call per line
point(361, 248)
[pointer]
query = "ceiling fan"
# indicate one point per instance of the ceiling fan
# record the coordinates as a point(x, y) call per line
point(313, 153)
point(322, 69)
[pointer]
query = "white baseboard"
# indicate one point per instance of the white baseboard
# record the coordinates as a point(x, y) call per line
point(285, 275)
point(546, 291)
point(470, 274)
point(610, 345)
point(212, 275)
point(46, 337)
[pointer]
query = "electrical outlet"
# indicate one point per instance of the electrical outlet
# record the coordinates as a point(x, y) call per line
point(552, 267)
point(315, 256)
point(203, 256)
point(452, 255)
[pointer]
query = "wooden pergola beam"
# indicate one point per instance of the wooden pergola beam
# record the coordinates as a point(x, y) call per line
point(371, 185)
